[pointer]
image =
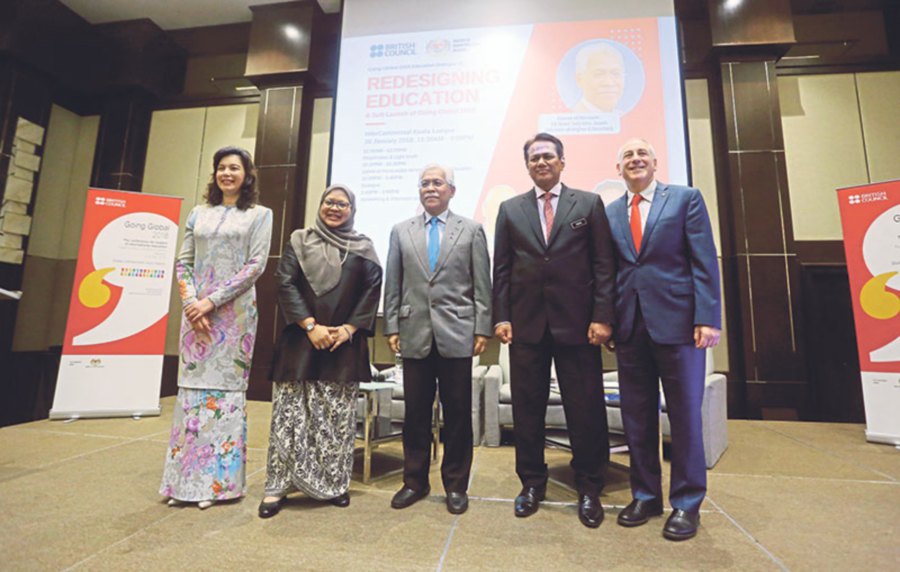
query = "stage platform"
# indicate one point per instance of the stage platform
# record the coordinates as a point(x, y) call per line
point(785, 496)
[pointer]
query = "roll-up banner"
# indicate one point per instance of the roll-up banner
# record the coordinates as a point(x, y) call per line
point(115, 337)
point(870, 215)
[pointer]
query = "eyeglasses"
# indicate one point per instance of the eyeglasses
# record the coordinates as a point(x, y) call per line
point(425, 183)
point(339, 205)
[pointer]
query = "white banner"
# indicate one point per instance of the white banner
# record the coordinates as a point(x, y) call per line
point(116, 331)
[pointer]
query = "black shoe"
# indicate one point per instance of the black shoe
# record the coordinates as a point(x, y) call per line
point(590, 511)
point(681, 525)
point(341, 500)
point(457, 503)
point(407, 497)
point(528, 501)
point(639, 511)
point(270, 509)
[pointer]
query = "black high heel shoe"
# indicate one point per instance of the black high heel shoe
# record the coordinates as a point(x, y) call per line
point(270, 509)
point(341, 500)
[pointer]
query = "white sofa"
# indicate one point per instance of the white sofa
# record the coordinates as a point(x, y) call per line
point(498, 407)
point(398, 405)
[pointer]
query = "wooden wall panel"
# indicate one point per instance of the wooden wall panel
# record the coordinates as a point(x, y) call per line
point(756, 22)
point(833, 362)
point(824, 149)
point(879, 106)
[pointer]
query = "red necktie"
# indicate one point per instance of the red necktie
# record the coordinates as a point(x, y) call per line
point(548, 214)
point(636, 233)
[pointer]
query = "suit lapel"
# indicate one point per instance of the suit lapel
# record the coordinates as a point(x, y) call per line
point(529, 209)
point(451, 234)
point(417, 238)
point(564, 206)
point(656, 207)
point(618, 215)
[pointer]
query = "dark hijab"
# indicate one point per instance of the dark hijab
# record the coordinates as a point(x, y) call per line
point(322, 250)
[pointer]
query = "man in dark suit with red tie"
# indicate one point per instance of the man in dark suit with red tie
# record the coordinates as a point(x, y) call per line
point(668, 312)
point(554, 269)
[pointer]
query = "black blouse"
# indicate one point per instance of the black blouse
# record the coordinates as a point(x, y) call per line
point(353, 301)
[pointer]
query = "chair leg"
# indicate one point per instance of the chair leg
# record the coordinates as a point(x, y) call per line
point(436, 426)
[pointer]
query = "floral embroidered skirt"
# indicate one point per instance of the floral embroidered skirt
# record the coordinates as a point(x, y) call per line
point(312, 437)
point(207, 454)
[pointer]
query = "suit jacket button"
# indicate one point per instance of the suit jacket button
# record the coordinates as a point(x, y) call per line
point(546, 259)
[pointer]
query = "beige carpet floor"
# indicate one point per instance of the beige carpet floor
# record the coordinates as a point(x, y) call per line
point(785, 496)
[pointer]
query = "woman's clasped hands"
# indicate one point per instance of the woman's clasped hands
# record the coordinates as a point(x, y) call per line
point(330, 338)
point(196, 312)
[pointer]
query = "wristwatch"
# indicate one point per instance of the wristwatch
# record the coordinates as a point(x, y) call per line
point(309, 327)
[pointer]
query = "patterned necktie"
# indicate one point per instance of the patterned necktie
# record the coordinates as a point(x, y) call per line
point(548, 214)
point(434, 244)
point(636, 233)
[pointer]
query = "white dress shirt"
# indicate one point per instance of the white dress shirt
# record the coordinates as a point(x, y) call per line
point(442, 224)
point(643, 206)
point(539, 197)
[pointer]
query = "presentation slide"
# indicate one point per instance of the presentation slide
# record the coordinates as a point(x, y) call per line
point(470, 96)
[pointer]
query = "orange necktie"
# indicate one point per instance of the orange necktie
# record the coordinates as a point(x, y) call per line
point(636, 233)
point(548, 213)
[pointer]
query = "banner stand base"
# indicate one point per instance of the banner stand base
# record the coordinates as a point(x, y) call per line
point(66, 415)
point(873, 437)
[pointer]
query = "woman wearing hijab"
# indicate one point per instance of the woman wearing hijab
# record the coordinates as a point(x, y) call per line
point(329, 281)
point(226, 245)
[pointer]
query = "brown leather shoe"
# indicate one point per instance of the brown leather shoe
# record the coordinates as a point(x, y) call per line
point(528, 501)
point(457, 503)
point(681, 525)
point(639, 512)
point(406, 497)
point(590, 511)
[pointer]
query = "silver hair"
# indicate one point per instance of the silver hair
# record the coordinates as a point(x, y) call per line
point(448, 172)
point(584, 54)
point(632, 140)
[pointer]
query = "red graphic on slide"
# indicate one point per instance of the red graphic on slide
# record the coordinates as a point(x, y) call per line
point(590, 158)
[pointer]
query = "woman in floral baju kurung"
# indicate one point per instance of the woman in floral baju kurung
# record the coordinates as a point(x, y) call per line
point(226, 244)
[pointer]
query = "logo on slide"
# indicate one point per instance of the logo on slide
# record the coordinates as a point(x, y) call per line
point(439, 46)
point(392, 50)
point(867, 198)
point(110, 202)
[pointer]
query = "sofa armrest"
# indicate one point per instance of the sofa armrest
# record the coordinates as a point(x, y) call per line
point(478, 373)
point(493, 378)
point(715, 418)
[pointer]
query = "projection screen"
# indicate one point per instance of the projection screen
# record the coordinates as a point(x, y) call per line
point(466, 83)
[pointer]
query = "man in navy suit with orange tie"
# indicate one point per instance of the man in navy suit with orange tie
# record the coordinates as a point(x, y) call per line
point(668, 312)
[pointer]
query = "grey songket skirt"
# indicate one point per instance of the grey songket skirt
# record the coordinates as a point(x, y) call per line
point(312, 437)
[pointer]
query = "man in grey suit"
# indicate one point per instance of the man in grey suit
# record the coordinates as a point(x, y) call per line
point(437, 310)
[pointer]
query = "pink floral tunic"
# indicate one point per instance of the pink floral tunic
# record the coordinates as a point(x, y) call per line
point(223, 254)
